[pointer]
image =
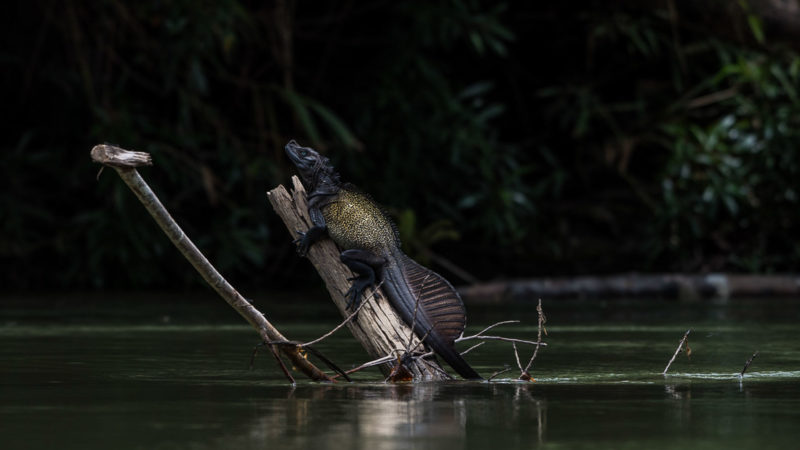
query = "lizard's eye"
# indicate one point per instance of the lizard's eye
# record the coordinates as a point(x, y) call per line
point(304, 153)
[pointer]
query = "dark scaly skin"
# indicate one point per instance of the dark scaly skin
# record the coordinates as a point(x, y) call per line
point(371, 248)
point(355, 221)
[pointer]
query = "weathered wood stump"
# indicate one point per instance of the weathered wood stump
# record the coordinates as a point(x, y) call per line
point(377, 327)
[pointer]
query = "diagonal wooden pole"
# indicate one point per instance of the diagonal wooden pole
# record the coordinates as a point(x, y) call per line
point(125, 163)
point(677, 350)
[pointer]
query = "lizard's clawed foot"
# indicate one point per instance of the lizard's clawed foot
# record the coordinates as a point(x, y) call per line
point(353, 295)
point(302, 243)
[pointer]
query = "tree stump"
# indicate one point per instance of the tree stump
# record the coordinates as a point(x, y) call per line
point(377, 326)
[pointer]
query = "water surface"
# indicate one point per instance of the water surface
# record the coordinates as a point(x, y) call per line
point(137, 372)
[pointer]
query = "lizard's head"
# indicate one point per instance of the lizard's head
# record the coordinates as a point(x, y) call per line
point(313, 167)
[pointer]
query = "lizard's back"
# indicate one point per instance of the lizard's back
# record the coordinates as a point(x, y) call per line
point(355, 221)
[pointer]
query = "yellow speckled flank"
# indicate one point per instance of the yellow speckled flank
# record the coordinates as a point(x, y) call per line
point(356, 222)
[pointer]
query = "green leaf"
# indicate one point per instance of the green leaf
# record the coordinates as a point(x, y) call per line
point(756, 27)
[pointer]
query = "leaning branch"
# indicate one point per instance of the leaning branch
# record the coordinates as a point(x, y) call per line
point(747, 364)
point(125, 163)
point(677, 350)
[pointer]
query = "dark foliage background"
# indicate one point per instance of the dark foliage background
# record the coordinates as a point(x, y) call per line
point(519, 139)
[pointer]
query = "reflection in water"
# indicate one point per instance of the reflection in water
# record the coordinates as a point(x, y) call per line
point(379, 416)
point(522, 401)
point(411, 412)
point(682, 406)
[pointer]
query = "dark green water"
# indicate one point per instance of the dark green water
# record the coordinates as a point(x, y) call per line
point(143, 373)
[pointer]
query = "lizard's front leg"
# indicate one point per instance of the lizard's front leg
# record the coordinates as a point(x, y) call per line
point(315, 233)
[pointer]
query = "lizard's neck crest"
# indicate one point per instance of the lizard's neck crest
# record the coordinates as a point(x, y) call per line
point(323, 178)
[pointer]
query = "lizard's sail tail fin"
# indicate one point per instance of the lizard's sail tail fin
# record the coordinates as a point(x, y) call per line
point(424, 298)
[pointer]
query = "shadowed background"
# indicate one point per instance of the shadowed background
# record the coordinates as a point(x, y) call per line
point(512, 140)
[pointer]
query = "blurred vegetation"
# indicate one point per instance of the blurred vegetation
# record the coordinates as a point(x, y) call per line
point(516, 139)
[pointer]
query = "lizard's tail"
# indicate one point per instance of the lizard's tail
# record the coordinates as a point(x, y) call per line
point(429, 302)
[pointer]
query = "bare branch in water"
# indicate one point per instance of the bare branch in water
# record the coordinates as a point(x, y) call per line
point(747, 364)
point(677, 350)
point(542, 321)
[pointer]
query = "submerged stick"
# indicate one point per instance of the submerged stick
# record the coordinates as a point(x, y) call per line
point(747, 364)
point(677, 350)
point(125, 163)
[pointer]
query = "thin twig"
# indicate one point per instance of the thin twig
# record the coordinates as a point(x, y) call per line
point(383, 360)
point(542, 321)
point(408, 354)
point(747, 364)
point(471, 348)
point(414, 319)
point(677, 350)
point(281, 364)
point(502, 338)
point(348, 319)
point(369, 364)
point(516, 355)
point(488, 328)
point(420, 342)
point(411, 335)
point(498, 373)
